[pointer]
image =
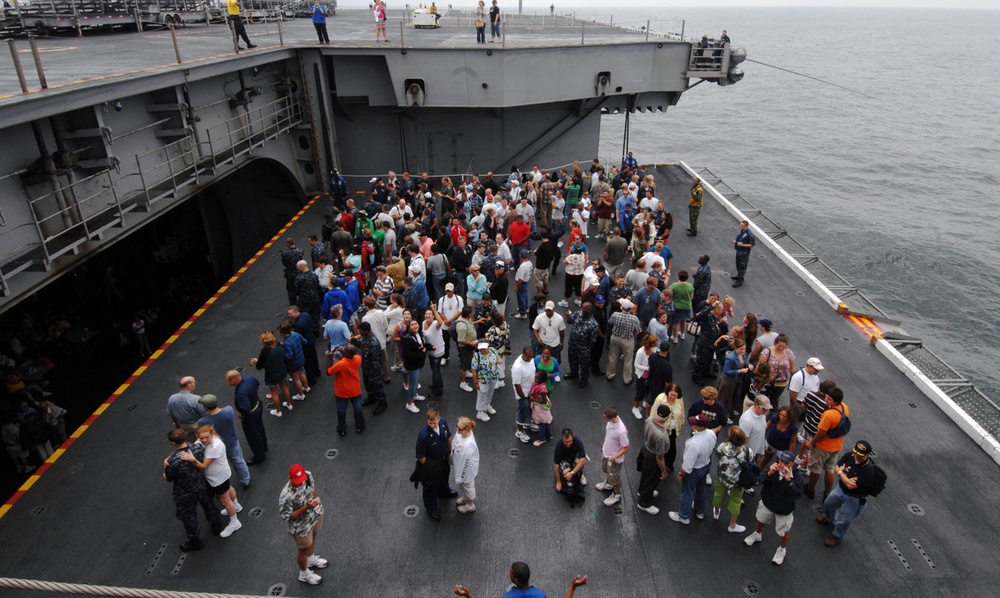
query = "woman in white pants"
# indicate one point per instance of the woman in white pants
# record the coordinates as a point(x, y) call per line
point(465, 464)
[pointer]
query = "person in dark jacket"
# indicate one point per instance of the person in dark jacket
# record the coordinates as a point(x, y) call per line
point(782, 487)
point(190, 490)
point(414, 356)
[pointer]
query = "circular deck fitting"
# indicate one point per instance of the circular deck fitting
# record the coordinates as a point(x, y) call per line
point(331, 453)
point(618, 510)
point(277, 589)
point(912, 405)
point(751, 588)
point(915, 509)
point(595, 405)
point(132, 407)
point(256, 512)
point(432, 404)
point(513, 453)
point(411, 511)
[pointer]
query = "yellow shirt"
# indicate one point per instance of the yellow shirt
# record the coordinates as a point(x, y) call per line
point(696, 200)
point(234, 7)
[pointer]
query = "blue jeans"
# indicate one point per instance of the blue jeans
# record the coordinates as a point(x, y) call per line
point(359, 416)
point(842, 510)
point(461, 286)
point(523, 417)
point(437, 383)
point(235, 454)
point(544, 432)
point(522, 299)
point(413, 379)
point(693, 492)
point(494, 29)
point(438, 280)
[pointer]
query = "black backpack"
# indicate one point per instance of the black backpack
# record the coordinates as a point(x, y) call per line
point(749, 473)
point(843, 428)
point(878, 481)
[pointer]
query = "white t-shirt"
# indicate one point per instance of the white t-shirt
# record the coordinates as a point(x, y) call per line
point(218, 470)
point(449, 307)
point(755, 427)
point(802, 382)
point(549, 328)
point(522, 374)
point(525, 271)
point(434, 337)
point(379, 324)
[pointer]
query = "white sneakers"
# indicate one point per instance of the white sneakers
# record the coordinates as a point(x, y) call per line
point(466, 508)
point(637, 412)
point(612, 500)
point(234, 524)
point(239, 509)
point(708, 479)
point(309, 577)
point(419, 397)
point(317, 562)
point(465, 386)
point(412, 408)
point(522, 436)
point(753, 539)
point(677, 517)
point(716, 512)
point(444, 361)
point(500, 384)
point(300, 397)
point(736, 529)
point(603, 486)
point(491, 410)
point(651, 509)
point(563, 303)
point(779, 556)
point(483, 416)
point(583, 479)
point(287, 405)
point(275, 412)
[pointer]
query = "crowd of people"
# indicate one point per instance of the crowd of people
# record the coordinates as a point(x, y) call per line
point(412, 265)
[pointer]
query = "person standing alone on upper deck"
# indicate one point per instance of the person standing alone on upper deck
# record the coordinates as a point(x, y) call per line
point(695, 201)
point(319, 22)
point(380, 18)
point(744, 242)
point(236, 22)
point(494, 22)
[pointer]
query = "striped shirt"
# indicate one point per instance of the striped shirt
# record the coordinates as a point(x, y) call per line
point(624, 325)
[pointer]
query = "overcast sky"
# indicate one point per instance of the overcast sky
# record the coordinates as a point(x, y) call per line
point(571, 4)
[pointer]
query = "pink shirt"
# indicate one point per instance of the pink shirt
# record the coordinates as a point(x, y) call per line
point(615, 438)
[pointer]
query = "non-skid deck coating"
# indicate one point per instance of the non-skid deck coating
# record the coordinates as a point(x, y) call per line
point(102, 56)
point(101, 512)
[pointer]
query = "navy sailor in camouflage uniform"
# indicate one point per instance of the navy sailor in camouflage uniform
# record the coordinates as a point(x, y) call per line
point(709, 318)
point(190, 490)
point(371, 366)
point(581, 342)
point(289, 260)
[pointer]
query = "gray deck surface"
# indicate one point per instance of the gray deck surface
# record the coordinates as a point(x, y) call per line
point(106, 511)
point(101, 56)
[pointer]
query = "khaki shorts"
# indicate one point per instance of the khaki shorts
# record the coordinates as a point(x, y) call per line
point(613, 471)
point(782, 523)
point(307, 540)
point(820, 461)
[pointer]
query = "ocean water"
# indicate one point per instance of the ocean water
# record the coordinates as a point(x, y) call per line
point(899, 194)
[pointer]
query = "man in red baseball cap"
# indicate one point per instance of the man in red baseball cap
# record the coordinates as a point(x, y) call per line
point(302, 509)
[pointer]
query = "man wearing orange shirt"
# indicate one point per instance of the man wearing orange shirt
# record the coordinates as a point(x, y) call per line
point(824, 448)
point(347, 389)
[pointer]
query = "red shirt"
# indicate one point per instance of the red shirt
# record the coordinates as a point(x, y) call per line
point(519, 232)
point(346, 377)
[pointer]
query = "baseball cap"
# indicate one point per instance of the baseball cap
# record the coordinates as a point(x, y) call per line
point(700, 420)
point(763, 401)
point(550, 305)
point(297, 474)
point(786, 456)
point(374, 179)
point(663, 411)
point(815, 362)
point(599, 299)
point(765, 323)
point(449, 287)
point(626, 304)
point(665, 345)
point(862, 448)
point(209, 401)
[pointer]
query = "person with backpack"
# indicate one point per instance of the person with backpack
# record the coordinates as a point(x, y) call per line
point(824, 447)
point(733, 455)
point(859, 478)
